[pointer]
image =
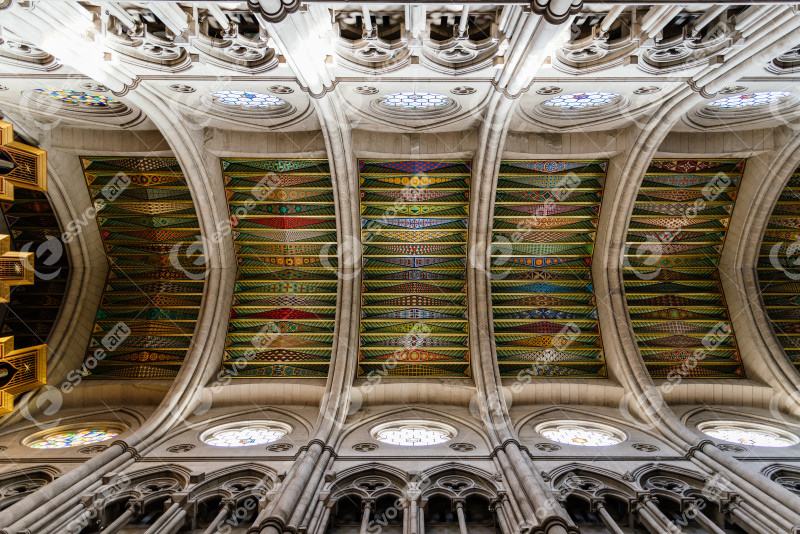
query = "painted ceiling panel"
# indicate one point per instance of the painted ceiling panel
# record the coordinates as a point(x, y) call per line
point(284, 229)
point(155, 282)
point(414, 217)
point(33, 227)
point(779, 269)
point(545, 220)
point(672, 285)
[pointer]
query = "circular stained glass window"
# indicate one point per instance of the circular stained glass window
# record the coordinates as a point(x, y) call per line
point(245, 434)
point(415, 100)
point(582, 433)
point(745, 433)
point(78, 97)
point(247, 99)
point(750, 99)
point(582, 100)
point(414, 433)
point(73, 436)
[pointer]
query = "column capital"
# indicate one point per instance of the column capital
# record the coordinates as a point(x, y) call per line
point(644, 498)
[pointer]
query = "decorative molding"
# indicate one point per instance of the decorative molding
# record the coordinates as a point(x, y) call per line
point(698, 447)
point(181, 448)
point(128, 87)
point(545, 8)
point(283, 10)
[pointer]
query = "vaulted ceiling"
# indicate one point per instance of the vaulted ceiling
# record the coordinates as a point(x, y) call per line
point(406, 192)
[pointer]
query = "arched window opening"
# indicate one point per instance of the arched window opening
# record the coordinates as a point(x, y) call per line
point(207, 511)
point(150, 514)
point(346, 515)
point(17, 485)
point(618, 510)
point(580, 510)
point(440, 512)
point(388, 516)
point(683, 518)
point(479, 517)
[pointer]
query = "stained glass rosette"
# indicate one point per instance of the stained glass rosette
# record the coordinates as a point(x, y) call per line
point(583, 434)
point(745, 433)
point(72, 438)
point(415, 100)
point(749, 100)
point(413, 433)
point(576, 101)
point(245, 434)
point(247, 99)
point(78, 97)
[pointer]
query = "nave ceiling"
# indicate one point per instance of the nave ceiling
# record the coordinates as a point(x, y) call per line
point(308, 202)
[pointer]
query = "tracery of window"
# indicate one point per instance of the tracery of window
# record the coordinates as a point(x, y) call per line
point(745, 433)
point(78, 97)
point(72, 437)
point(582, 433)
point(245, 434)
point(582, 100)
point(413, 433)
point(750, 99)
point(247, 99)
point(415, 100)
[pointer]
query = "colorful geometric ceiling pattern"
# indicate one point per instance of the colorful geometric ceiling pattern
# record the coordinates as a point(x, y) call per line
point(414, 297)
point(33, 227)
point(155, 281)
point(779, 269)
point(284, 230)
point(672, 283)
point(545, 219)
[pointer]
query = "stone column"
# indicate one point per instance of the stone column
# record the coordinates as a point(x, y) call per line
point(166, 516)
point(650, 503)
point(323, 523)
point(605, 517)
point(462, 520)
point(175, 523)
point(652, 518)
point(497, 507)
point(704, 521)
point(365, 516)
point(415, 512)
point(220, 517)
point(131, 511)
